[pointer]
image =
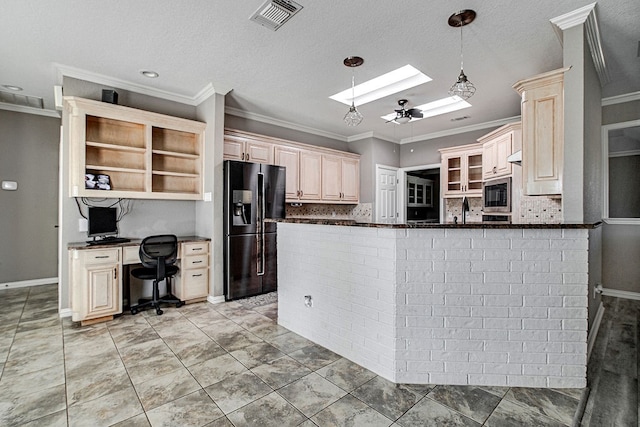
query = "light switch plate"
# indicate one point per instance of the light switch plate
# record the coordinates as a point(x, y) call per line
point(207, 197)
point(83, 224)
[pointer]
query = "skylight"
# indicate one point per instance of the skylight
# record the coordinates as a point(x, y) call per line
point(387, 84)
point(435, 108)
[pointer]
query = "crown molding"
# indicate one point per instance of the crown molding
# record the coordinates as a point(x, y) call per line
point(77, 73)
point(585, 15)
point(620, 99)
point(29, 110)
point(465, 129)
point(282, 123)
point(369, 134)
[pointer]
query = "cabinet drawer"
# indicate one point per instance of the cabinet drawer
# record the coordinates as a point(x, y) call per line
point(195, 283)
point(131, 255)
point(195, 248)
point(195, 261)
point(101, 256)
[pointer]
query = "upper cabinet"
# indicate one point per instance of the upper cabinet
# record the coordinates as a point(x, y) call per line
point(461, 171)
point(314, 174)
point(497, 146)
point(244, 149)
point(303, 172)
point(145, 155)
point(419, 192)
point(542, 132)
point(340, 178)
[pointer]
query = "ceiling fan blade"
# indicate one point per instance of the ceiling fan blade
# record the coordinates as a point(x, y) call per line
point(414, 112)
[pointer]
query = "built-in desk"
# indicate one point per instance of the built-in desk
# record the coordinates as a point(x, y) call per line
point(99, 276)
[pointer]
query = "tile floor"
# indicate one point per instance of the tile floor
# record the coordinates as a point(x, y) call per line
point(613, 367)
point(220, 365)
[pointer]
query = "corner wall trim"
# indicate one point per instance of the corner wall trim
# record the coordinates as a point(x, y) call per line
point(620, 294)
point(215, 300)
point(26, 283)
point(593, 330)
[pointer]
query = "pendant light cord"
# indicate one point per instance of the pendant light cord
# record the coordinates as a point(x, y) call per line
point(461, 58)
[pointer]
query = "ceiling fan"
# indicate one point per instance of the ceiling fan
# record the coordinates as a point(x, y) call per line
point(403, 115)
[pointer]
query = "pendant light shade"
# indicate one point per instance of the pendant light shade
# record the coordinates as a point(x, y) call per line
point(353, 116)
point(462, 88)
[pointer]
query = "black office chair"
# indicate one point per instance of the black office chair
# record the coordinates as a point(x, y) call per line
point(157, 255)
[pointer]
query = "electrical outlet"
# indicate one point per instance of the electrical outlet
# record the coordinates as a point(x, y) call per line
point(83, 224)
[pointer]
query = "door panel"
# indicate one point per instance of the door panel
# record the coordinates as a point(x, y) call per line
point(241, 277)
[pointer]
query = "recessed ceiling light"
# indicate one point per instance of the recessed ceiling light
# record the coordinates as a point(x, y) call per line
point(435, 108)
point(150, 74)
point(12, 87)
point(387, 84)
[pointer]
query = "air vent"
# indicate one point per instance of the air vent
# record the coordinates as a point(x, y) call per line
point(22, 100)
point(274, 13)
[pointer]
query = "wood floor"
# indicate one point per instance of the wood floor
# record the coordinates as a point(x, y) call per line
point(613, 367)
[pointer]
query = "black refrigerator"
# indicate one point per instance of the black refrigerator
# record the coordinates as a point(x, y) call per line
point(252, 193)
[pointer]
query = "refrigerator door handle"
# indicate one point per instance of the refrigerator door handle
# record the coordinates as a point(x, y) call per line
point(260, 225)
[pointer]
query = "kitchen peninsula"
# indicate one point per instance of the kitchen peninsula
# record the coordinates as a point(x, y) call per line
point(477, 304)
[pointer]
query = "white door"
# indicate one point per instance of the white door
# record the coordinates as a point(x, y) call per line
point(386, 195)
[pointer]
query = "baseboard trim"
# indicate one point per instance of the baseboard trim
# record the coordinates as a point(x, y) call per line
point(65, 312)
point(593, 331)
point(215, 300)
point(620, 294)
point(26, 283)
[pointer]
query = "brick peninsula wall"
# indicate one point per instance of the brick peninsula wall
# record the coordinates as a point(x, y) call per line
point(477, 306)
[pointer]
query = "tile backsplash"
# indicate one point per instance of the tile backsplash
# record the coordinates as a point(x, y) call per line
point(361, 212)
point(453, 208)
point(540, 210)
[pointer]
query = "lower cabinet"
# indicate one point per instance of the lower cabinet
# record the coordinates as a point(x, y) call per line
point(97, 283)
point(192, 282)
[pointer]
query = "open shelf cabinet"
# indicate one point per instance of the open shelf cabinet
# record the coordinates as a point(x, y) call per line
point(146, 155)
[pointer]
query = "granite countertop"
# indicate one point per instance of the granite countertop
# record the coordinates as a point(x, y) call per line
point(493, 225)
point(133, 242)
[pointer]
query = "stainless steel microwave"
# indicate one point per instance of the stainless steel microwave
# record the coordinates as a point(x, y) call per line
point(496, 195)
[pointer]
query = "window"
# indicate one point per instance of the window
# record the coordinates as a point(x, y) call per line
point(621, 154)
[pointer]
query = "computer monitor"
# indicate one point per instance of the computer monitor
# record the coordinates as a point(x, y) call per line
point(102, 221)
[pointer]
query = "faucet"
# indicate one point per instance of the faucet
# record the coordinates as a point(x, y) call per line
point(465, 209)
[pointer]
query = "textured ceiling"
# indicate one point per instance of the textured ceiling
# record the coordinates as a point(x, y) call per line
point(288, 75)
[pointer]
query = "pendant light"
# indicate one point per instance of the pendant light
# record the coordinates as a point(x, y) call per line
point(462, 87)
point(353, 116)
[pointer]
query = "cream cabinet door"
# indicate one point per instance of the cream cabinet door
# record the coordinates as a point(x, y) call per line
point(290, 159)
point(247, 150)
point(258, 152)
point(233, 149)
point(95, 283)
point(542, 132)
point(494, 157)
point(351, 180)
point(103, 296)
point(331, 178)
point(310, 175)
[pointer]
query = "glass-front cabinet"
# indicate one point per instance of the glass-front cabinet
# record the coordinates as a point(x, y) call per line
point(419, 192)
point(461, 171)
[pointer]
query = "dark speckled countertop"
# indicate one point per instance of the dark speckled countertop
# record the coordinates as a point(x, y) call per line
point(353, 223)
point(133, 242)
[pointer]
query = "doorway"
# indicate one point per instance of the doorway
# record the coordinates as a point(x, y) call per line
point(412, 211)
point(414, 194)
